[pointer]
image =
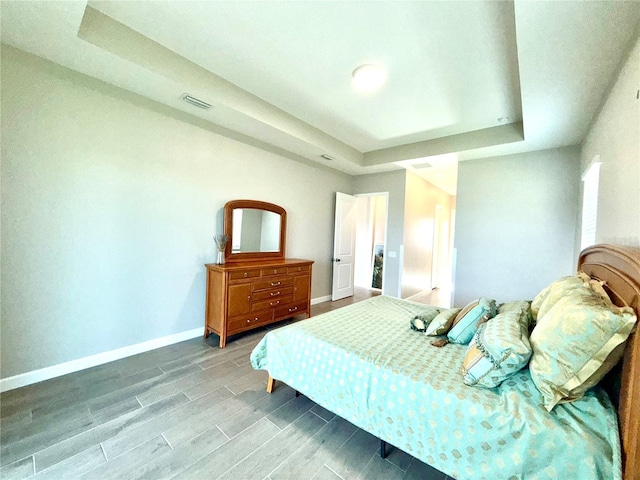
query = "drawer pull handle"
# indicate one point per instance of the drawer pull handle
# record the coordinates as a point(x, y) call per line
point(277, 302)
point(275, 271)
point(293, 309)
point(275, 284)
point(245, 274)
point(255, 320)
point(274, 294)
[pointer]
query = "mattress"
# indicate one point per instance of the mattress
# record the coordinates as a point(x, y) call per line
point(364, 363)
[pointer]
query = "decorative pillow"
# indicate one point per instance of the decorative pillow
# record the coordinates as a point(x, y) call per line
point(576, 343)
point(421, 321)
point(517, 306)
point(520, 306)
point(597, 286)
point(548, 297)
point(441, 324)
point(499, 348)
point(467, 321)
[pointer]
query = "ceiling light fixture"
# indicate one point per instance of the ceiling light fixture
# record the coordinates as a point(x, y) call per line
point(369, 77)
point(327, 157)
point(195, 102)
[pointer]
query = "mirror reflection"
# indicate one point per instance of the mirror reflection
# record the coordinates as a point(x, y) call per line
point(255, 230)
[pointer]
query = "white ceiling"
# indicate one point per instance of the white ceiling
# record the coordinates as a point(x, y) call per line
point(280, 72)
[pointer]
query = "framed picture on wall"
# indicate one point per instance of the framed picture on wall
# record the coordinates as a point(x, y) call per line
point(378, 260)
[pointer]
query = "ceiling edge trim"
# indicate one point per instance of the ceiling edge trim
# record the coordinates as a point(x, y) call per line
point(106, 33)
point(487, 137)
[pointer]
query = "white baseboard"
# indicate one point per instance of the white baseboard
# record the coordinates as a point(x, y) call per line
point(47, 373)
point(315, 301)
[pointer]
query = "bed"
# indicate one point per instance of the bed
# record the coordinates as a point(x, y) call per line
point(365, 364)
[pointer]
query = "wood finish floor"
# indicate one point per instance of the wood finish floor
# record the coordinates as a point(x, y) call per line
point(188, 410)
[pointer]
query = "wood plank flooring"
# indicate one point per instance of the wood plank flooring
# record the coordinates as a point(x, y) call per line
point(188, 410)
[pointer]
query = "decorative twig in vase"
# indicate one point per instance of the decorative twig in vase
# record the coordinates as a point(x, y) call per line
point(221, 243)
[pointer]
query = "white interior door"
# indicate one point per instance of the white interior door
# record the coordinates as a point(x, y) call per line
point(344, 241)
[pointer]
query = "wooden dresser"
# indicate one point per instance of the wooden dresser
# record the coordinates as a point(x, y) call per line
point(246, 295)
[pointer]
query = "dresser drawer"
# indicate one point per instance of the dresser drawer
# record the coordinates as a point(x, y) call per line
point(273, 303)
point(240, 274)
point(248, 321)
point(274, 282)
point(245, 295)
point(266, 272)
point(301, 268)
point(290, 310)
point(273, 293)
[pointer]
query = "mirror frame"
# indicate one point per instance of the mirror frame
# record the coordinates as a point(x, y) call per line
point(228, 230)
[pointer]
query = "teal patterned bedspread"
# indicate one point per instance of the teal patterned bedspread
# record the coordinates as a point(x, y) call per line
point(364, 363)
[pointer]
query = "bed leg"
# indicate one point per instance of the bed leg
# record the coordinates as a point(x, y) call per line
point(383, 449)
point(271, 383)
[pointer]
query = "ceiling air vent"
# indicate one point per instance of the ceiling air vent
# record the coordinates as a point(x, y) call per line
point(195, 102)
point(419, 166)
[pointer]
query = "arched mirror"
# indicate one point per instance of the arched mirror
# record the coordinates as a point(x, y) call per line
point(256, 230)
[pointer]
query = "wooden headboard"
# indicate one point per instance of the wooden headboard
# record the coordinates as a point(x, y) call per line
point(619, 267)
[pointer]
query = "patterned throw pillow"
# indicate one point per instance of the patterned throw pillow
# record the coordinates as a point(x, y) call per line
point(548, 297)
point(469, 319)
point(576, 343)
point(598, 287)
point(517, 306)
point(499, 348)
point(441, 324)
point(421, 321)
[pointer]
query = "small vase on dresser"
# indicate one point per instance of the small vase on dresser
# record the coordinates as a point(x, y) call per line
point(221, 244)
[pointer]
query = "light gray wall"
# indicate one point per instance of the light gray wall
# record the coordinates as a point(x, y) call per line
point(110, 202)
point(515, 224)
point(615, 138)
point(394, 184)
point(109, 206)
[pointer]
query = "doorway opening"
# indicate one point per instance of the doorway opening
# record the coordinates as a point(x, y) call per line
point(371, 241)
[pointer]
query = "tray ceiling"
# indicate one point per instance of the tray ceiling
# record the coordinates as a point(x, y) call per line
point(474, 79)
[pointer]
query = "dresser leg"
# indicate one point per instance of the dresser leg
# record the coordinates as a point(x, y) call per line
point(271, 383)
point(206, 332)
point(223, 341)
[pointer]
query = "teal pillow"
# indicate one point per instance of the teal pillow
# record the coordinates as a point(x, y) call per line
point(499, 348)
point(468, 321)
point(517, 306)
